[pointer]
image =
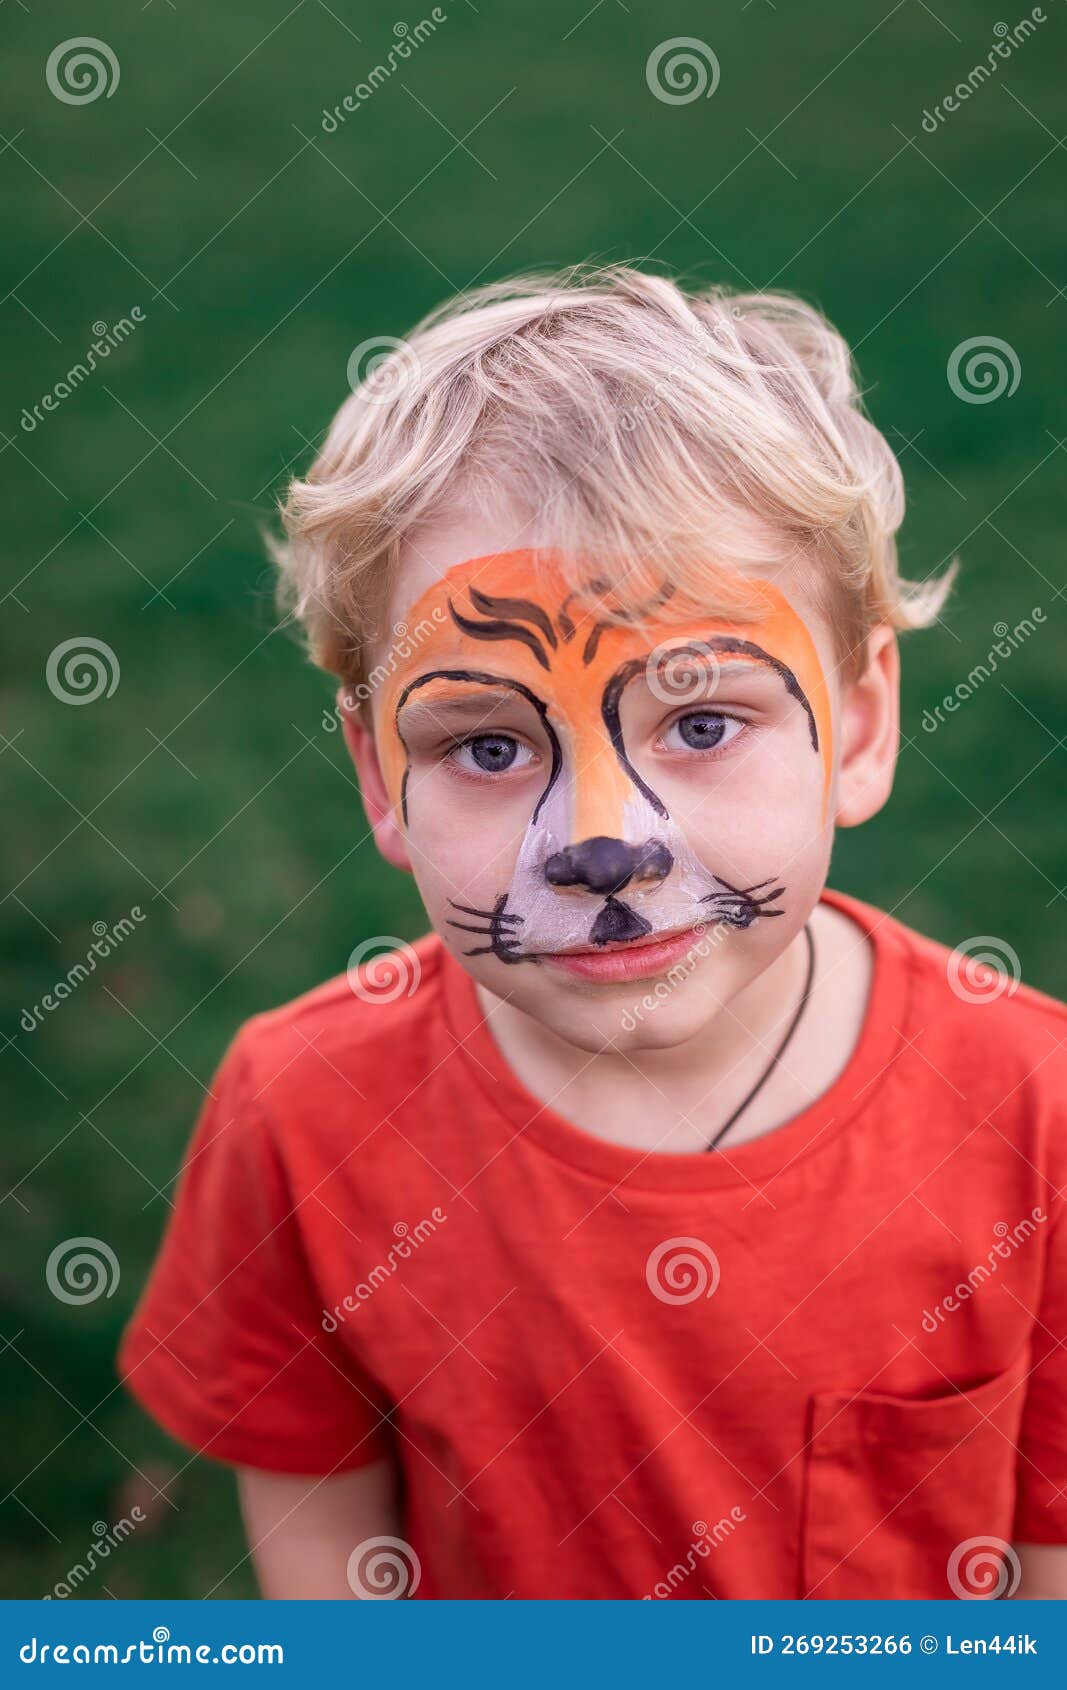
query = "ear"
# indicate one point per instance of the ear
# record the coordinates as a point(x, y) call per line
point(870, 732)
point(359, 737)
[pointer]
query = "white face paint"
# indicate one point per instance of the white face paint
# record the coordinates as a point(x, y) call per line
point(647, 883)
point(561, 781)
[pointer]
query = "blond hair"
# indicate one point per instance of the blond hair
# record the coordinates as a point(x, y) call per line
point(655, 432)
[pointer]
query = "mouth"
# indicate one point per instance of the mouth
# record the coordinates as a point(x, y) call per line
point(635, 959)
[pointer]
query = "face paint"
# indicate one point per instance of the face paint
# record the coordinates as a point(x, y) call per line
point(601, 861)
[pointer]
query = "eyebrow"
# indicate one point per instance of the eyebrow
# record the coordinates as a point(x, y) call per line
point(748, 648)
point(477, 702)
point(738, 666)
point(724, 643)
point(496, 688)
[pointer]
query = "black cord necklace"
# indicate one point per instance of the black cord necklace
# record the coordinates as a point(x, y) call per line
point(775, 1059)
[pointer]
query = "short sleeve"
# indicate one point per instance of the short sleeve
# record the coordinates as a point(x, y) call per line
point(226, 1348)
point(1041, 1484)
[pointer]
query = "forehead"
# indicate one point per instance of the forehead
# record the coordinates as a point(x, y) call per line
point(518, 620)
point(520, 606)
point(465, 534)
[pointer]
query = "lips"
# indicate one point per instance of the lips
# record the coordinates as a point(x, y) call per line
point(636, 960)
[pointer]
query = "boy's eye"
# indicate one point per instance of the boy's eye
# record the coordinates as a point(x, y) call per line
point(491, 754)
point(702, 730)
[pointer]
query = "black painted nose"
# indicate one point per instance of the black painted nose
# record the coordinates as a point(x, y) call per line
point(605, 865)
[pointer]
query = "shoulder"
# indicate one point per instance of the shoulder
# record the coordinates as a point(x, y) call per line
point(977, 988)
point(364, 1035)
point(971, 1017)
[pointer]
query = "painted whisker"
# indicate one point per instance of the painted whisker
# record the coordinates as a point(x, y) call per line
point(502, 940)
point(497, 914)
point(740, 906)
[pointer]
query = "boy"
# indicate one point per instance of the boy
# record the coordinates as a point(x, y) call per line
point(660, 1224)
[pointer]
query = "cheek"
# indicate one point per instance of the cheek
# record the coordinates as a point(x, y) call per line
point(761, 809)
point(464, 839)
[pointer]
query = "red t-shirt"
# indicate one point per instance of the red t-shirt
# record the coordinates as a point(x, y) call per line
point(383, 1243)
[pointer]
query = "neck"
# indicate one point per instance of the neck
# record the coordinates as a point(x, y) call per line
point(674, 1100)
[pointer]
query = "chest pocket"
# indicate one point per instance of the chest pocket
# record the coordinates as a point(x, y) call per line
point(910, 1498)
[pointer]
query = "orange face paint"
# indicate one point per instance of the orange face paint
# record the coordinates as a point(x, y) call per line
point(510, 621)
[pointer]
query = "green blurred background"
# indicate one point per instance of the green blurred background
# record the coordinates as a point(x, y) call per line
point(260, 250)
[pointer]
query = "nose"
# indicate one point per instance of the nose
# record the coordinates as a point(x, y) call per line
point(605, 865)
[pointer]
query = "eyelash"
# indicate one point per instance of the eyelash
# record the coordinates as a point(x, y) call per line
point(715, 751)
point(484, 776)
point(481, 777)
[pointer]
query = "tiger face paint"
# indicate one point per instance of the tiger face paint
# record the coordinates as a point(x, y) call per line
point(585, 785)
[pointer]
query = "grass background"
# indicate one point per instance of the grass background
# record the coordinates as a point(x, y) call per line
point(261, 250)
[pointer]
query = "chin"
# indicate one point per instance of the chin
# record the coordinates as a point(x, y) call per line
point(640, 1015)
